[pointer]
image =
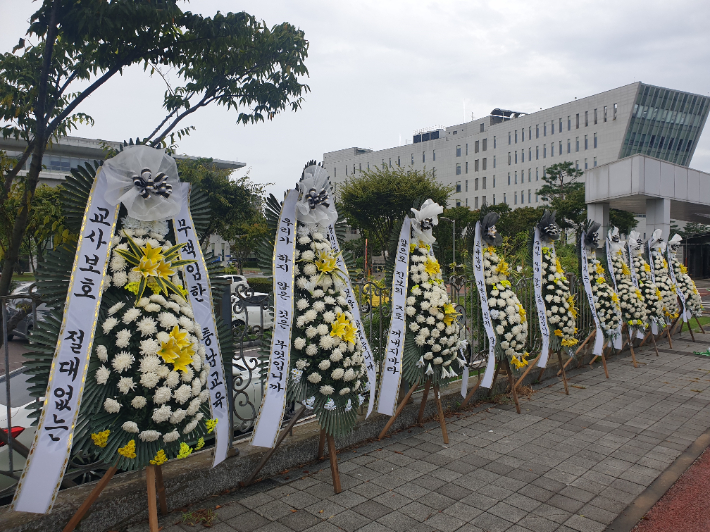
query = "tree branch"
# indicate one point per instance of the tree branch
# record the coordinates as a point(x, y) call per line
point(205, 101)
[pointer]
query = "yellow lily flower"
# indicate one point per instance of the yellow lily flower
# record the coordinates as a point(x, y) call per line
point(164, 270)
point(169, 351)
point(152, 254)
point(337, 328)
point(449, 314)
point(432, 266)
point(146, 268)
point(349, 333)
point(180, 337)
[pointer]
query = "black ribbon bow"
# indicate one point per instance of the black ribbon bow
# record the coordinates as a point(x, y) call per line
point(426, 224)
point(147, 185)
point(320, 198)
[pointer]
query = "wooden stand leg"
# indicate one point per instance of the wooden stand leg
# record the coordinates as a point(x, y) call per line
point(284, 432)
point(472, 391)
point(152, 503)
point(512, 385)
point(321, 445)
point(162, 501)
point(594, 358)
point(633, 355)
point(655, 346)
point(645, 338)
point(700, 324)
point(442, 421)
point(334, 464)
point(691, 332)
point(564, 375)
point(425, 396)
point(495, 377)
point(81, 512)
point(525, 373)
point(398, 412)
point(606, 371)
point(669, 328)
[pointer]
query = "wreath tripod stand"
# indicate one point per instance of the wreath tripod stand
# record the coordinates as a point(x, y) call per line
point(420, 418)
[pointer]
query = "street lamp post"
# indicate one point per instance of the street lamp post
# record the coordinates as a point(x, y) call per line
point(453, 239)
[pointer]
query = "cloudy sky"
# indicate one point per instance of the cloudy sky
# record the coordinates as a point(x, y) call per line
point(381, 69)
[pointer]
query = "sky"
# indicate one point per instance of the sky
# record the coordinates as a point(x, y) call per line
point(378, 70)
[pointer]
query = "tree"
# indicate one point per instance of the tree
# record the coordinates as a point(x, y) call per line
point(233, 202)
point(465, 220)
point(376, 201)
point(560, 180)
point(232, 60)
point(251, 233)
point(624, 220)
point(690, 229)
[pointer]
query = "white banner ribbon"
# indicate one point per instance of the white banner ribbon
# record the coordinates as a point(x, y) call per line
point(199, 290)
point(671, 271)
point(610, 267)
point(349, 294)
point(539, 301)
point(271, 413)
point(487, 381)
point(392, 374)
point(650, 262)
point(634, 279)
point(52, 442)
point(599, 338)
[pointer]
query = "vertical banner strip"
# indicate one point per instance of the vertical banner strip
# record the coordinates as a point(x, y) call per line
point(671, 272)
point(599, 339)
point(485, 312)
point(273, 404)
point(650, 262)
point(610, 267)
point(392, 372)
point(200, 294)
point(539, 301)
point(52, 442)
point(355, 309)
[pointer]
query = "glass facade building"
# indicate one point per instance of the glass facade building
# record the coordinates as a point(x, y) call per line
point(665, 124)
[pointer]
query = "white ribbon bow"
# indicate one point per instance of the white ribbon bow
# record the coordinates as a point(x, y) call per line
point(315, 203)
point(424, 221)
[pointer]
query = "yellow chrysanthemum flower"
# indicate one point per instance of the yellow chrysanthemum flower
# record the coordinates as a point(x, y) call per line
point(614, 297)
point(600, 269)
point(625, 269)
point(601, 280)
point(570, 342)
point(211, 424)
point(665, 264)
point(129, 450)
point(683, 269)
point(200, 444)
point(160, 458)
point(646, 267)
point(572, 308)
point(558, 266)
point(558, 332)
point(412, 247)
point(522, 313)
point(185, 451)
point(100, 439)
point(431, 266)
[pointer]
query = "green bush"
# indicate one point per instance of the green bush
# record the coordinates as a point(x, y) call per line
point(261, 284)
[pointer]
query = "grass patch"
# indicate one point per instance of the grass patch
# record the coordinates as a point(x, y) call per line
point(704, 321)
point(203, 516)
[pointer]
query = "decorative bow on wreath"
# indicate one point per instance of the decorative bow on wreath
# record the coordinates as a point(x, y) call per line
point(315, 207)
point(317, 199)
point(426, 223)
point(146, 184)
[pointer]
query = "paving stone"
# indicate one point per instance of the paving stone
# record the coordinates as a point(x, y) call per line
point(491, 523)
point(247, 522)
point(299, 520)
point(273, 510)
point(444, 522)
point(535, 523)
point(325, 509)
point(371, 509)
point(583, 524)
point(398, 522)
point(349, 521)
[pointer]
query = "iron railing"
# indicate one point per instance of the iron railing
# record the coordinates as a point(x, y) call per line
point(251, 323)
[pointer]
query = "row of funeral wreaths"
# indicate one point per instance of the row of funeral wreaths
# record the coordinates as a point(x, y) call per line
point(140, 340)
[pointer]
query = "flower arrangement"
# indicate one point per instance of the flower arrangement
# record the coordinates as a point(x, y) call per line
point(633, 307)
point(652, 296)
point(432, 330)
point(327, 370)
point(148, 365)
point(686, 285)
point(509, 318)
point(559, 302)
point(606, 302)
point(662, 278)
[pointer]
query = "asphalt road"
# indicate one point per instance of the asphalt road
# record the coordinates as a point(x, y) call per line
point(15, 349)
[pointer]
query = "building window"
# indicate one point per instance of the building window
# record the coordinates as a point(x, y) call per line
point(483, 127)
point(509, 137)
point(458, 186)
point(529, 154)
point(537, 174)
point(537, 152)
point(458, 203)
point(494, 143)
point(616, 107)
point(552, 149)
point(576, 142)
point(522, 156)
point(515, 198)
point(467, 185)
point(576, 165)
point(552, 127)
point(368, 163)
point(516, 178)
point(529, 196)
point(467, 148)
point(494, 199)
point(494, 161)
point(586, 166)
point(466, 166)
point(494, 182)
point(399, 163)
point(522, 135)
point(586, 142)
point(475, 203)
point(475, 165)
point(569, 123)
point(560, 150)
point(485, 165)
point(537, 131)
point(433, 173)
point(412, 159)
point(529, 175)
point(544, 151)
point(595, 162)
point(433, 155)
point(529, 132)
point(458, 151)
point(484, 183)
point(485, 145)
point(586, 118)
point(508, 178)
point(605, 113)
point(595, 141)
point(423, 156)
point(544, 171)
point(458, 172)
point(516, 136)
point(475, 184)
point(595, 117)
point(505, 198)
point(536, 198)
point(544, 129)
point(335, 173)
point(576, 121)
point(390, 163)
point(569, 146)
point(466, 202)
point(560, 124)
point(516, 156)
point(522, 197)
point(510, 158)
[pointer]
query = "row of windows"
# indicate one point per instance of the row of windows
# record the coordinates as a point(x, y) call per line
point(513, 156)
point(513, 135)
point(475, 184)
point(482, 145)
point(476, 204)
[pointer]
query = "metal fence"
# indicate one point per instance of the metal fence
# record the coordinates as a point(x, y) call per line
point(251, 323)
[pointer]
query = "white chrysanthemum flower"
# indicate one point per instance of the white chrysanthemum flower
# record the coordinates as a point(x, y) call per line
point(119, 279)
point(134, 277)
point(190, 427)
point(324, 365)
point(115, 308)
point(314, 378)
point(337, 374)
point(102, 375)
point(149, 363)
point(111, 405)
point(153, 307)
point(187, 311)
point(349, 375)
point(139, 401)
point(149, 435)
point(500, 329)
point(194, 406)
point(122, 361)
point(130, 426)
point(326, 342)
point(183, 394)
point(171, 436)
point(302, 304)
point(177, 416)
point(122, 338)
point(196, 387)
point(146, 326)
point(336, 355)
point(162, 414)
point(322, 329)
point(312, 350)
point(310, 315)
point(167, 320)
point(109, 324)
point(149, 380)
point(172, 379)
point(186, 323)
point(329, 317)
point(102, 353)
point(163, 371)
point(126, 384)
point(187, 375)
point(196, 362)
point(301, 364)
point(326, 390)
point(299, 343)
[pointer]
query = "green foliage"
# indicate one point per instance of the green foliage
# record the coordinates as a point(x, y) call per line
point(560, 179)
point(251, 232)
point(376, 201)
point(261, 284)
point(465, 220)
point(690, 229)
point(624, 220)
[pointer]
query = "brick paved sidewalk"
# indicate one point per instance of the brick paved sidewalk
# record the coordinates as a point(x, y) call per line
point(566, 463)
